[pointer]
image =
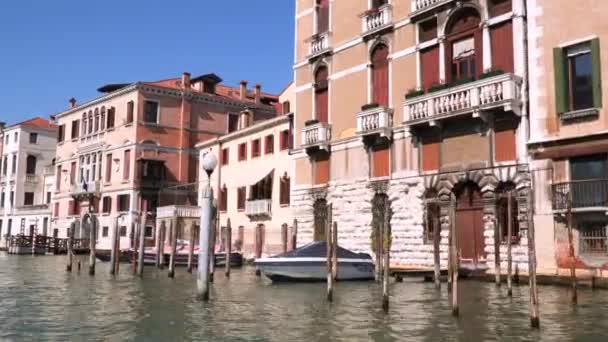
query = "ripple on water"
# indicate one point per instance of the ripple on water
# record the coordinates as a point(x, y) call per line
point(40, 301)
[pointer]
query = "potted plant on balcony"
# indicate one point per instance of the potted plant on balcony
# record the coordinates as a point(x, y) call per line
point(438, 86)
point(414, 92)
point(491, 73)
point(369, 106)
point(311, 122)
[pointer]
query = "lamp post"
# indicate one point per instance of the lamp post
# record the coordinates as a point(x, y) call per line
point(209, 163)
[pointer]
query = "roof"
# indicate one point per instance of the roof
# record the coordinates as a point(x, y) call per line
point(108, 88)
point(36, 122)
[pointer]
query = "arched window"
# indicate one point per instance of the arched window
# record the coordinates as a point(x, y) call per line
point(224, 198)
point(30, 167)
point(84, 123)
point(102, 123)
point(321, 95)
point(90, 119)
point(464, 49)
point(96, 128)
point(380, 75)
point(285, 189)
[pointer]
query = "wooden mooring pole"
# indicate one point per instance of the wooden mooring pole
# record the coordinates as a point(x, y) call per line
point(574, 295)
point(534, 311)
point(497, 239)
point(294, 235)
point(329, 253)
point(386, 249)
point(228, 239)
point(509, 243)
point(436, 252)
point(191, 249)
point(334, 255)
point(135, 243)
point(455, 256)
point(213, 229)
point(258, 247)
point(69, 247)
point(160, 246)
point(92, 243)
point(450, 256)
point(142, 237)
point(113, 250)
point(173, 229)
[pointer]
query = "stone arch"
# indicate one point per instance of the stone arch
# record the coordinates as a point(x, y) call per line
point(456, 13)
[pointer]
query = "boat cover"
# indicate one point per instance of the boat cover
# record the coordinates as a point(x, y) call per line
point(318, 249)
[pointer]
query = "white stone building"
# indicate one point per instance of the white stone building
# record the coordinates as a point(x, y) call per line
point(26, 178)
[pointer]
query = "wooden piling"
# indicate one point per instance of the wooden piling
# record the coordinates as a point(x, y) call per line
point(509, 248)
point(117, 256)
point(436, 253)
point(534, 311)
point(212, 237)
point(386, 244)
point(497, 240)
point(258, 247)
point(574, 295)
point(191, 249)
point(173, 229)
point(161, 247)
point(284, 237)
point(455, 256)
point(228, 239)
point(294, 235)
point(69, 247)
point(329, 246)
point(135, 227)
point(92, 244)
point(334, 255)
point(113, 250)
point(450, 256)
point(142, 237)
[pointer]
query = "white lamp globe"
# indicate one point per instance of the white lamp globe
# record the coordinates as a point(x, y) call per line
point(209, 162)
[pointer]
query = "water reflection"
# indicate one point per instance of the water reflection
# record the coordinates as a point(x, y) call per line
point(40, 301)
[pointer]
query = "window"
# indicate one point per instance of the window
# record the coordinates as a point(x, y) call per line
point(286, 107)
point(498, 7)
point(233, 122)
point(58, 178)
point(321, 94)
point(2, 200)
point(255, 148)
point(48, 197)
point(284, 194)
point(241, 198)
point(127, 165)
point(149, 232)
point(580, 77)
point(262, 189)
point(103, 118)
point(14, 165)
point(73, 173)
point(269, 144)
point(427, 30)
point(60, 133)
point(378, 3)
point(90, 120)
point(28, 198)
point(5, 165)
point(130, 108)
point(380, 75)
point(503, 214)
point(123, 202)
point(75, 128)
point(106, 206)
point(243, 151)
point(285, 139)
point(16, 136)
point(108, 168)
point(33, 138)
point(73, 208)
point(322, 16)
point(30, 165)
point(96, 128)
point(123, 231)
point(56, 210)
point(225, 156)
point(223, 198)
point(463, 59)
point(464, 49)
point(150, 112)
point(104, 231)
point(111, 117)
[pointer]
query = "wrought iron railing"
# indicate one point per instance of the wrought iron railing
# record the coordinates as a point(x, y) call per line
point(580, 194)
point(593, 241)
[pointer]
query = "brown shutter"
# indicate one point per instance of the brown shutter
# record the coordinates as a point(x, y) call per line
point(109, 167)
point(430, 155)
point(321, 170)
point(380, 75)
point(73, 173)
point(501, 37)
point(429, 63)
point(380, 161)
point(504, 145)
point(130, 108)
point(127, 165)
point(323, 16)
point(321, 95)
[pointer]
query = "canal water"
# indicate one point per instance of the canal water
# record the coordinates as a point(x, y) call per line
point(39, 301)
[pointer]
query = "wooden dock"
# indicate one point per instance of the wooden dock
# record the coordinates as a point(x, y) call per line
point(41, 245)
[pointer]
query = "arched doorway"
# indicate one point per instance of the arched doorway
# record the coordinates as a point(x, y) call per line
point(469, 223)
point(320, 220)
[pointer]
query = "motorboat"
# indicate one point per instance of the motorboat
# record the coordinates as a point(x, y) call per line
point(309, 263)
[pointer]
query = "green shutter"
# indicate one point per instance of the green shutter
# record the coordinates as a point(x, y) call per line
point(561, 80)
point(596, 77)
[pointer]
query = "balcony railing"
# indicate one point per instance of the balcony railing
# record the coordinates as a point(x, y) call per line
point(316, 135)
point(85, 188)
point(420, 6)
point(378, 120)
point(31, 179)
point(178, 211)
point(581, 194)
point(593, 242)
point(377, 19)
point(474, 97)
point(319, 43)
point(258, 207)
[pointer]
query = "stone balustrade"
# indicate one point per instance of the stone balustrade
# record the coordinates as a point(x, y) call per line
point(317, 134)
point(375, 120)
point(261, 207)
point(377, 19)
point(319, 43)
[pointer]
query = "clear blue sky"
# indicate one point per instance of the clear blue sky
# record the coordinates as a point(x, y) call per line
point(53, 50)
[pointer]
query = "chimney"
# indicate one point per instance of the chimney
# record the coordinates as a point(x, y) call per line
point(72, 102)
point(258, 93)
point(186, 80)
point(52, 118)
point(243, 91)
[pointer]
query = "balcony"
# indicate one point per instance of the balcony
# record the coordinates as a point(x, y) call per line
point(37, 209)
point(320, 44)
point(85, 189)
point(375, 121)
point(421, 7)
point(586, 195)
point(31, 179)
point(377, 20)
point(184, 211)
point(316, 136)
point(261, 207)
point(497, 92)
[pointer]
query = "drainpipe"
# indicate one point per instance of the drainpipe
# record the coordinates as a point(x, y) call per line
point(525, 112)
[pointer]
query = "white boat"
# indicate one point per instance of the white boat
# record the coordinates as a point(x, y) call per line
point(309, 263)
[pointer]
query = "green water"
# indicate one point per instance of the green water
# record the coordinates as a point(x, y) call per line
point(39, 301)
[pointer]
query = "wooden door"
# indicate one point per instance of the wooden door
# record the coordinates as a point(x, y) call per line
point(469, 225)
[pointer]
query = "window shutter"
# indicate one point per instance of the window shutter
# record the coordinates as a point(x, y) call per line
point(596, 77)
point(561, 82)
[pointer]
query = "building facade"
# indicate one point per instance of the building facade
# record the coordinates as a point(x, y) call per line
point(134, 146)
point(252, 184)
point(569, 131)
point(26, 178)
point(416, 106)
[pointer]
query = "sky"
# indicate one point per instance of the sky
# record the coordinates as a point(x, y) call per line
point(51, 51)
